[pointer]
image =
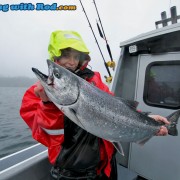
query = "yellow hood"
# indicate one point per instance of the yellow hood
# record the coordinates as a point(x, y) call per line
point(65, 39)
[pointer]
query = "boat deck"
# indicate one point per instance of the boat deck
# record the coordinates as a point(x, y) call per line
point(32, 163)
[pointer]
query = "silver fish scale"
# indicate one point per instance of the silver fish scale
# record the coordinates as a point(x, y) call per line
point(96, 111)
point(109, 118)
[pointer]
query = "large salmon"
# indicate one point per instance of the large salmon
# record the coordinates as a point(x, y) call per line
point(101, 114)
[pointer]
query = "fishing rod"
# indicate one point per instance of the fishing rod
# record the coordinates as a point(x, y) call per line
point(108, 79)
point(102, 34)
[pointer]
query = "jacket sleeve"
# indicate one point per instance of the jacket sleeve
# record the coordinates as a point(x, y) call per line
point(42, 117)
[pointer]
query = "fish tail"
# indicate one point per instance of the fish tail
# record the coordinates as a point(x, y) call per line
point(173, 119)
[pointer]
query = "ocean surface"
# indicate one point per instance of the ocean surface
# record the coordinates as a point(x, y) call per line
point(14, 133)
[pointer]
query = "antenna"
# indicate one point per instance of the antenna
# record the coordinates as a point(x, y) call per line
point(173, 19)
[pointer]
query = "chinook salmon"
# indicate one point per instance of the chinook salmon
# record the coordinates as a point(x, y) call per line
point(99, 113)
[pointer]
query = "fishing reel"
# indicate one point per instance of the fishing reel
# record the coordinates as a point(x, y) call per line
point(108, 79)
point(111, 64)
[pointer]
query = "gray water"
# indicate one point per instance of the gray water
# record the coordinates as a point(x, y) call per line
point(14, 133)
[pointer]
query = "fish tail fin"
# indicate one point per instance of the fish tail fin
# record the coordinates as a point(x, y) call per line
point(173, 119)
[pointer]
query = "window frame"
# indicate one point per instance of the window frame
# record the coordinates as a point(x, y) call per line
point(145, 93)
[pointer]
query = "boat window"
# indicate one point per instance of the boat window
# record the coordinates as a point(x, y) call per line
point(162, 85)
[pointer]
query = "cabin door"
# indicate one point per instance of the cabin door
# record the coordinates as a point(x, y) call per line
point(158, 91)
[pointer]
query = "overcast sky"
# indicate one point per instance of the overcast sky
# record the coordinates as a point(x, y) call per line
point(25, 35)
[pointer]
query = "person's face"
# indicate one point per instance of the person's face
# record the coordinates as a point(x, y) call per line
point(69, 60)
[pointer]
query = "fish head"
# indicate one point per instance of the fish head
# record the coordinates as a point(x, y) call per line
point(61, 85)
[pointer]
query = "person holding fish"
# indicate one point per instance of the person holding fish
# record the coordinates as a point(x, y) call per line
point(74, 152)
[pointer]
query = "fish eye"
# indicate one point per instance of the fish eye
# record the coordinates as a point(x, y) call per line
point(56, 74)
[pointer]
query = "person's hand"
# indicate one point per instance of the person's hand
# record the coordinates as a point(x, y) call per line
point(163, 130)
point(39, 92)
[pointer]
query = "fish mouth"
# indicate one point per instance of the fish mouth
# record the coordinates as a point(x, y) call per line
point(41, 76)
point(49, 80)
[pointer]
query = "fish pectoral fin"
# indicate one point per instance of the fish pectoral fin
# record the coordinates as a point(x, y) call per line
point(143, 141)
point(119, 147)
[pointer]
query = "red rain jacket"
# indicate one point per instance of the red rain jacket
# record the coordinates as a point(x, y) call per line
point(38, 116)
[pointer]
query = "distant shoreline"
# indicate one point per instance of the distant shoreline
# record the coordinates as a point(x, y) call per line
point(17, 81)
